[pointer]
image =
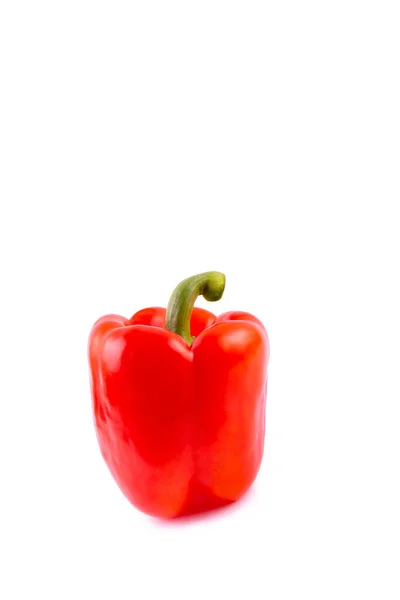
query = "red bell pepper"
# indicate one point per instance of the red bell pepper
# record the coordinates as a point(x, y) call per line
point(179, 400)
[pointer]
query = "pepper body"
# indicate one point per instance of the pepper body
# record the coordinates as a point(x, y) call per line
point(181, 427)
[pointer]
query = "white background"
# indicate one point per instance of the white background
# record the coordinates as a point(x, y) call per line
point(143, 142)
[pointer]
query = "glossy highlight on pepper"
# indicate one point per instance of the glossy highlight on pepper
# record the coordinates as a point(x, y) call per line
point(179, 400)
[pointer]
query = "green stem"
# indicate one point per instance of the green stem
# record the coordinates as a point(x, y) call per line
point(210, 285)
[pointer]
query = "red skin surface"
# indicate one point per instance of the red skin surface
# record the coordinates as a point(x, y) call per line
point(181, 428)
